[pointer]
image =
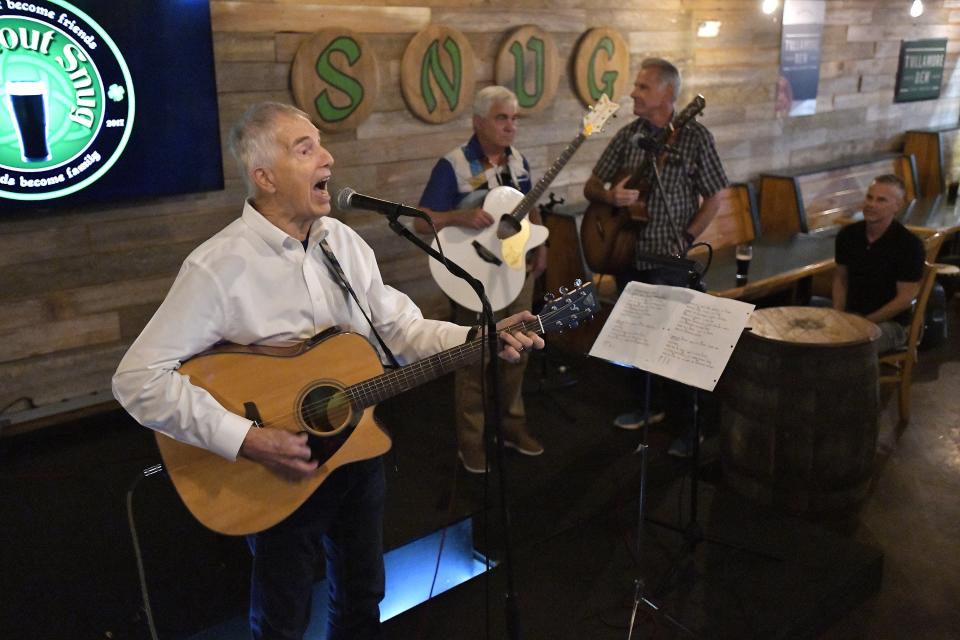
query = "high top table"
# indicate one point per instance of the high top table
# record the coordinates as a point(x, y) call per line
point(934, 213)
point(777, 262)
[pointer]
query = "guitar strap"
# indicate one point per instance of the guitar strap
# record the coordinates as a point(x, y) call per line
point(341, 278)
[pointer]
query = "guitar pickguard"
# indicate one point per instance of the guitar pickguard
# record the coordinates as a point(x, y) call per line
point(514, 248)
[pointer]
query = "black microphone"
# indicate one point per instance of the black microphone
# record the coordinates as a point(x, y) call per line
point(645, 142)
point(350, 199)
point(650, 144)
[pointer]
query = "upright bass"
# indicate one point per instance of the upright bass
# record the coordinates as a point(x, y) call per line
point(608, 233)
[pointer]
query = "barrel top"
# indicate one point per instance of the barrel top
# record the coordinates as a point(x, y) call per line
point(812, 326)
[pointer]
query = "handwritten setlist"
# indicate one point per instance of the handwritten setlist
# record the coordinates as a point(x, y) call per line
point(677, 333)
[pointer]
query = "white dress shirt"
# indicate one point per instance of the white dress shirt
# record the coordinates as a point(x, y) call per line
point(252, 283)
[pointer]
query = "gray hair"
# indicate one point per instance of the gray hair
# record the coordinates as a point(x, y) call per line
point(253, 139)
point(489, 96)
point(894, 181)
point(667, 72)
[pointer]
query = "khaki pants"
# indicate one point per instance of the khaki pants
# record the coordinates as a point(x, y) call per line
point(467, 391)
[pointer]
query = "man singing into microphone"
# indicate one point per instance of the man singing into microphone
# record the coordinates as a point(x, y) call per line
point(276, 276)
point(453, 196)
point(692, 177)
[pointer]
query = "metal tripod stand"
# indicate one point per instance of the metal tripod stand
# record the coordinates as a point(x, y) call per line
point(639, 584)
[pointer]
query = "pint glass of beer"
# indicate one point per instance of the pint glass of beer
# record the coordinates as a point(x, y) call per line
point(744, 256)
point(27, 103)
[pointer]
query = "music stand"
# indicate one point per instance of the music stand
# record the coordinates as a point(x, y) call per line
point(639, 585)
point(691, 273)
point(665, 330)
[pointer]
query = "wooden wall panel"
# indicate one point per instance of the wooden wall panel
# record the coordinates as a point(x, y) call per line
point(59, 335)
point(78, 286)
point(306, 16)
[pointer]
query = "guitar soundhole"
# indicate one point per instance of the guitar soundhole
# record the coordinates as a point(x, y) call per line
point(325, 410)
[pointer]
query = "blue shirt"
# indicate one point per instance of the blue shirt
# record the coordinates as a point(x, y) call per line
point(445, 190)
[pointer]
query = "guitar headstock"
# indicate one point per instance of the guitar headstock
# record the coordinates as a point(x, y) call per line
point(597, 117)
point(571, 308)
point(690, 111)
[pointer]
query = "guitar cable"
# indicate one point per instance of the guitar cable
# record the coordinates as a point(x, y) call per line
point(141, 574)
point(706, 267)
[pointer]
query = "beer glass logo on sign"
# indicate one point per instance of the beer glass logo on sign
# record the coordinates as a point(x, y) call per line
point(66, 100)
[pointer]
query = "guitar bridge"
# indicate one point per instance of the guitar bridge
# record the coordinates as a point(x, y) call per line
point(485, 254)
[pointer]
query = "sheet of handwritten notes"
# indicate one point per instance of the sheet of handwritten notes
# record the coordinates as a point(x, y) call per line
point(681, 334)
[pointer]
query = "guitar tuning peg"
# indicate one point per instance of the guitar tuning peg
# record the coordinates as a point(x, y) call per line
point(549, 297)
point(564, 291)
point(578, 283)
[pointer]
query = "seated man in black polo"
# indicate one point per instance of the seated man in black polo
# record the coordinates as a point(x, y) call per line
point(879, 264)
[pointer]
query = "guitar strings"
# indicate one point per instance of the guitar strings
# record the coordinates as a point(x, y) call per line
point(368, 392)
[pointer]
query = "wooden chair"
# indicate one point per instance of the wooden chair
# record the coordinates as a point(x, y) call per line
point(932, 241)
point(896, 367)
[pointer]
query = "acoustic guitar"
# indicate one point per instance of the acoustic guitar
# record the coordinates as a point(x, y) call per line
point(327, 387)
point(496, 255)
point(608, 233)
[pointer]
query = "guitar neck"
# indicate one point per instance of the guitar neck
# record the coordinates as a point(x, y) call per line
point(523, 208)
point(375, 390)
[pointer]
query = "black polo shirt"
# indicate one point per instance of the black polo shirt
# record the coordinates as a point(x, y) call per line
point(873, 270)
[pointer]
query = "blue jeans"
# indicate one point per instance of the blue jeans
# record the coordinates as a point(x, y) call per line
point(893, 335)
point(343, 519)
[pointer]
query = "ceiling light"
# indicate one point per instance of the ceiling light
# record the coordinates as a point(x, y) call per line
point(709, 29)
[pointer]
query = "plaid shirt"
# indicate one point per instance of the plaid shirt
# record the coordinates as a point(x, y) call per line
point(693, 172)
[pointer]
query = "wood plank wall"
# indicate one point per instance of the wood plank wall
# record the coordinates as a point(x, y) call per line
point(77, 287)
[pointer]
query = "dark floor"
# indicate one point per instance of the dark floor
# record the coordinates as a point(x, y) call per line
point(69, 569)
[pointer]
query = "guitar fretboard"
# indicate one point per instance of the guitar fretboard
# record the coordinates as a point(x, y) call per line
point(524, 206)
point(388, 384)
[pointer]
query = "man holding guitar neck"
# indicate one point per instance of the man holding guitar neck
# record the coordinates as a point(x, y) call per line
point(692, 177)
point(453, 196)
point(268, 278)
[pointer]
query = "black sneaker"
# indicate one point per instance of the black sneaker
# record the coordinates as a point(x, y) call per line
point(682, 447)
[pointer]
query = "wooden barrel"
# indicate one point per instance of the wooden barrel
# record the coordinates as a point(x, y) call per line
point(800, 404)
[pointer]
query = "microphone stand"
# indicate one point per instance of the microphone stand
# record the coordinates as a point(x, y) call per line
point(678, 260)
point(491, 419)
